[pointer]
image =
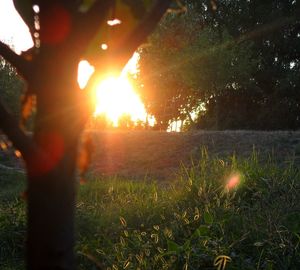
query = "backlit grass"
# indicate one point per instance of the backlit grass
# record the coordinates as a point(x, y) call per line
point(242, 209)
point(188, 224)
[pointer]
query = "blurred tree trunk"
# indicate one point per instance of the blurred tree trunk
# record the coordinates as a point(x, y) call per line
point(51, 216)
point(51, 173)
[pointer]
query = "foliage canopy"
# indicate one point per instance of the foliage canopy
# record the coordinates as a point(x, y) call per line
point(238, 59)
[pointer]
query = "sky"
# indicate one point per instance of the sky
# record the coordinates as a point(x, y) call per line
point(13, 30)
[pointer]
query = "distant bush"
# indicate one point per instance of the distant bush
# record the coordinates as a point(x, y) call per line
point(10, 87)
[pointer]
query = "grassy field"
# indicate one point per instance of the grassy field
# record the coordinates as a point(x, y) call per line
point(216, 203)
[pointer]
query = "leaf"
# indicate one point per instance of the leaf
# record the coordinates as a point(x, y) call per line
point(85, 156)
point(208, 218)
point(28, 102)
point(172, 246)
point(202, 230)
point(186, 245)
point(24, 8)
point(292, 222)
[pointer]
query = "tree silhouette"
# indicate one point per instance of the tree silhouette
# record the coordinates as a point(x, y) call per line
point(65, 32)
point(237, 59)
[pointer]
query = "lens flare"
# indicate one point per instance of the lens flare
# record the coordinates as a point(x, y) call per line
point(233, 181)
point(85, 71)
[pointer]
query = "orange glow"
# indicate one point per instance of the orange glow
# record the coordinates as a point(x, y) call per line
point(18, 154)
point(56, 25)
point(3, 146)
point(51, 156)
point(115, 96)
point(233, 181)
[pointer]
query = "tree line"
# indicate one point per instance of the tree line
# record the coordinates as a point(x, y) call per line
point(227, 64)
point(223, 64)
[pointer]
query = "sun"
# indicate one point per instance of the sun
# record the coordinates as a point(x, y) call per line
point(115, 96)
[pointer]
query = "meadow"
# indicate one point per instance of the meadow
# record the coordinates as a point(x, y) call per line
point(224, 198)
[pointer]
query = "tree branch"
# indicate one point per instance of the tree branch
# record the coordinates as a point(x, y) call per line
point(10, 127)
point(268, 28)
point(141, 32)
point(23, 67)
point(87, 24)
point(118, 58)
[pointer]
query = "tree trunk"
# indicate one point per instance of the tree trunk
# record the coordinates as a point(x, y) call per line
point(51, 199)
point(51, 177)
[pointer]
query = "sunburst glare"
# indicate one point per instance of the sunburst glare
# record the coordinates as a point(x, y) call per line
point(115, 96)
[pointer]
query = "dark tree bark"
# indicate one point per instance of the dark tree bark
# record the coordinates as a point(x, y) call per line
point(51, 177)
point(51, 216)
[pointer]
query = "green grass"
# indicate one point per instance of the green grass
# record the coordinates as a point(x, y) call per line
point(123, 224)
point(12, 220)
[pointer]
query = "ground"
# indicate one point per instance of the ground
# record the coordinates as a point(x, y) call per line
point(158, 155)
point(199, 215)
